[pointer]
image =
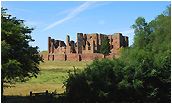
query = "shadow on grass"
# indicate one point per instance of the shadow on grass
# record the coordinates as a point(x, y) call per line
point(57, 98)
point(16, 99)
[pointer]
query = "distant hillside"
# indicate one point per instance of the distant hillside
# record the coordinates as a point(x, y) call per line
point(43, 52)
point(46, 53)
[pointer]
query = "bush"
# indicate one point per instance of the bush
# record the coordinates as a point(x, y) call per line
point(102, 81)
point(141, 74)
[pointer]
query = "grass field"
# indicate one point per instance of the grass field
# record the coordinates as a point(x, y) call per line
point(51, 78)
point(63, 64)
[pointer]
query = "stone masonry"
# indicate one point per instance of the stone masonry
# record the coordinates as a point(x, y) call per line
point(86, 48)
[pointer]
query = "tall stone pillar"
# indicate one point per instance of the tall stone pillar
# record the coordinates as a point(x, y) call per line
point(79, 42)
point(86, 46)
point(119, 37)
point(68, 47)
point(96, 41)
point(85, 39)
point(100, 39)
point(52, 46)
point(126, 41)
point(60, 44)
point(49, 44)
point(92, 46)
point(67, 40)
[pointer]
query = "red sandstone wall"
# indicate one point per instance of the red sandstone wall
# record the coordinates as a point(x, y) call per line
point(44, 57)
point(61, 57)
point(60, 50)
point(72, 57)
point(87, 51)
point(50, 57)
point(91, 56)
point(79, 57)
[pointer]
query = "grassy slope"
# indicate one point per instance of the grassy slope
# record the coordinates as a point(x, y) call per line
point(43, 52)
point(63, 64)
point(46, 53)
point(51, 78)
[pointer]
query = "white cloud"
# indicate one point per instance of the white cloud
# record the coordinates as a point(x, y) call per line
point(72, 14)
point(65, 11)
point(22, 10)
point(101, 22)
point(32, 23)
point(100, 4)
point(128, 31)
point(91, 7)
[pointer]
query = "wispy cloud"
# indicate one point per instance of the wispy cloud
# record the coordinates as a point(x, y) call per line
point(91, 7)
point(33, 23)
point(100, 4)
point(72, 14)
point(101, 22)
point(122, 30)
point(65, 11)
point(128, 31)
point(22, 10)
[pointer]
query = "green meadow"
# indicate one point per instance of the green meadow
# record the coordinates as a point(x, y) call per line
point(65, 65)
point(51, 77)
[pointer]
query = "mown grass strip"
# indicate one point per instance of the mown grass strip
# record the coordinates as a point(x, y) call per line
point(51, 78)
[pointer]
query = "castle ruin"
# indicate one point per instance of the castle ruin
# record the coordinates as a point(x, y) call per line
point(86, 48)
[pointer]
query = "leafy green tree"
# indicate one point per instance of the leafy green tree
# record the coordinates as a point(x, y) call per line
point(120, 50)
point(105, 47)
point(19, 60)
point(150, 57)
point(141, 30)
point(142, 74)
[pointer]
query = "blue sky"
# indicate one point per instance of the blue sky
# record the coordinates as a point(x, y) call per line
point(60, 18)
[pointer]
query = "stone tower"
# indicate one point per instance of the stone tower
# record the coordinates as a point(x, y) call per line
point(49, 44)
point(79, 42)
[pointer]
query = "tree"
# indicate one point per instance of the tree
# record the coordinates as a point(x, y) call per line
point(141, 30)
point(120, 50)
point(150, 57)
point(19, 60)
point(105, 47)
point(142, 74)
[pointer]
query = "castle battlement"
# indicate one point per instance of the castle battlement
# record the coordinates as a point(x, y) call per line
point(86, 43)
point(86, 48)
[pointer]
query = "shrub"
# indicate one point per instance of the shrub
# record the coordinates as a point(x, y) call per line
point(141, 74)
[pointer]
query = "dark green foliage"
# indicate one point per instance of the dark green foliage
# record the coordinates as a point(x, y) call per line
point(142, 74)
point(88, 85)
point(103, 81)
point(105, 47)
point(150, 57)
point(19, 61)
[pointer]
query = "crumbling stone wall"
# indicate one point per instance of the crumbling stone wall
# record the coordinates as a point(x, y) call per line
point(91, 56)
point(79, 57)
point(60, 57)
point(89, 43)
point(56, 46)
point(73, 57)
point(50, 57)
point(87, 47)
point(44, 57)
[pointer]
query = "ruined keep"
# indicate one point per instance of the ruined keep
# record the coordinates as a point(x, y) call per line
point(87, 47)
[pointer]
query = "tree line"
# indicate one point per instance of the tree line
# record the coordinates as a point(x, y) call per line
point(19, 60)
point(141, 74)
